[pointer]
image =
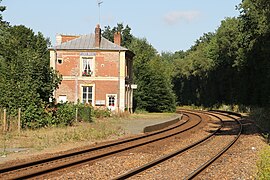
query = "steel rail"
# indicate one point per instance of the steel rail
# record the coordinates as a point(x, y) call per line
point(166, 157)
point(33, 163)
point(210, 161)
point(93, 157)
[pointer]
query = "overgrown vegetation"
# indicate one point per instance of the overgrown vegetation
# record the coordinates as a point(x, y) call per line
point(98, 129)
point(264, 164)
point(49, 137)
point(57, 116)
point(26, 79)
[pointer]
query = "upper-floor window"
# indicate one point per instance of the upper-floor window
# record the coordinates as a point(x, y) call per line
point(87, 66)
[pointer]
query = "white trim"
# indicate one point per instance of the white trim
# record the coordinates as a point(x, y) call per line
point(72, 78)
point(93, 65)
point(93, 92)
point(121, 101)
point(62, 98)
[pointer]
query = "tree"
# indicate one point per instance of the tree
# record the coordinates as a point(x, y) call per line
point(26, 79)
point(2, 9)
point(126, 36)
point(255, 49)
point(151, 74)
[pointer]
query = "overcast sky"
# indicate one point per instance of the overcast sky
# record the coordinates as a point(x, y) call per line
point(170, 25)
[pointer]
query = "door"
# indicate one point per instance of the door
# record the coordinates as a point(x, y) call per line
point(111, 101)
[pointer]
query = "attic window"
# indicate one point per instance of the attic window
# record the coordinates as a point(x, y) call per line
point(60, 61)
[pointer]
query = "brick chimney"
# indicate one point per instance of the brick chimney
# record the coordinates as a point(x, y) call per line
point(117, 38)
point(97, 36)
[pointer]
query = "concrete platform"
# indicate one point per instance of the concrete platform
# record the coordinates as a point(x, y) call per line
point(142, 126)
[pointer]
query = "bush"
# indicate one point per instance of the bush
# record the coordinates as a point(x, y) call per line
point(84, 113)
point(34, 117)
point(101, 113)
point(65, 114)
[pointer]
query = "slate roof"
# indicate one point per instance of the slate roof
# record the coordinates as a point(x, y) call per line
point(87, 42)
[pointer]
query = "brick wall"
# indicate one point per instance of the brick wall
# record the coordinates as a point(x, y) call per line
point(105, 80)
point(107, 64)
point(70, 64)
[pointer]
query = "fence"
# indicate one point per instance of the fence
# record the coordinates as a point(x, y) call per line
point(9, 122)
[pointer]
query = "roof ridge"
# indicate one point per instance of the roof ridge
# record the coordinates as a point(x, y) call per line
point(87, 42)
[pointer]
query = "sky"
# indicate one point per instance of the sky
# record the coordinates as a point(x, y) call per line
point(169, 26)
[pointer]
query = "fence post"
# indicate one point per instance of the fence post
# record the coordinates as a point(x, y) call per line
point(5, 120)
point(19, 120)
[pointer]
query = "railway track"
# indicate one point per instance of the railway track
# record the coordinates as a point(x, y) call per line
point(191, 119)
point(203, 166)
point(45, 166)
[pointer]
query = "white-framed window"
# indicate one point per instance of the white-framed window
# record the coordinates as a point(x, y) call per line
point(62, 99)
point(87, 66)
point(87, 94)
point(111, 101)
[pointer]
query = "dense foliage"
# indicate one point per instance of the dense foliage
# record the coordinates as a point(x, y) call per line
point(26, 79)
point(231, 65)
point(126, 36)
point(151, 73)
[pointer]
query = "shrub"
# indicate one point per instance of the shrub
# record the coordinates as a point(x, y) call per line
point(84, 113)
point(33, 117)
point(65, 114)
point(101, 113)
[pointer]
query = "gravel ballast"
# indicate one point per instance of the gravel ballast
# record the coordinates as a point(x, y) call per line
point(239, 162)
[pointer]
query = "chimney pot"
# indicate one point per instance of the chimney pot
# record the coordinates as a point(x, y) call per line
point(117, 38)
point(97, 36)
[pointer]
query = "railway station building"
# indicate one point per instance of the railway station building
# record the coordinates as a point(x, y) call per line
point(95, 70)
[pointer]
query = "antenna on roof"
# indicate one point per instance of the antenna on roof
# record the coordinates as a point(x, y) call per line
point(99, 3)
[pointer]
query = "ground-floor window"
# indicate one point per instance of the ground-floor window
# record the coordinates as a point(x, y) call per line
point(111, 101)
point(62, 99)
point(87, 94)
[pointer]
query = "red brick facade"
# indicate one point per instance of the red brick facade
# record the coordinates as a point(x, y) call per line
point(109, 76)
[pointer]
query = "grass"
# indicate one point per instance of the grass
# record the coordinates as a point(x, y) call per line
point(100, 129)
point(264, 164)
point(50, 137)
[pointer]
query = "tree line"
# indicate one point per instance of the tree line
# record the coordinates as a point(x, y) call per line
point(26, 79)
point(227, 66)
point(230, 65)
